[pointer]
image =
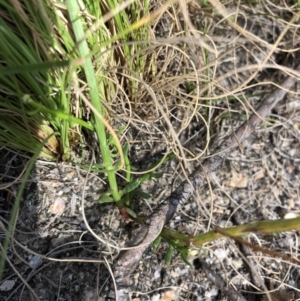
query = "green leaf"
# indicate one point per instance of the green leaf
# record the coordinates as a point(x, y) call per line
point(24, 68)
point(169, 254)
point(156, 243)
point(133, 168)
point(130, 212)
point(156, 175)
point(106, 199)
point(142, 194)
point(184, 252)
point(130, 186)
point(150, 175)
point(126, 149)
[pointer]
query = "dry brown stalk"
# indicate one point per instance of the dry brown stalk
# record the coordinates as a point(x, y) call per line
point(273, 254)
point(127, 261)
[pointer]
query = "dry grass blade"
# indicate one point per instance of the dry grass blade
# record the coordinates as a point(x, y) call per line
point(128, 260)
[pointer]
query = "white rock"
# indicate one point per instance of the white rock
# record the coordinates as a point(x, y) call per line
point(58, 206)
point(157, 273)
point(155, 297)
point(221, 254)
point(7, 285)
point(34, 261)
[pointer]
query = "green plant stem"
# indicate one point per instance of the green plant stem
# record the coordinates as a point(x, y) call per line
point(128, 176)
point(261, 227)
point(84, 52)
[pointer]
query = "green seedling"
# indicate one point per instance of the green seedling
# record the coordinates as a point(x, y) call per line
point(169, 255)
